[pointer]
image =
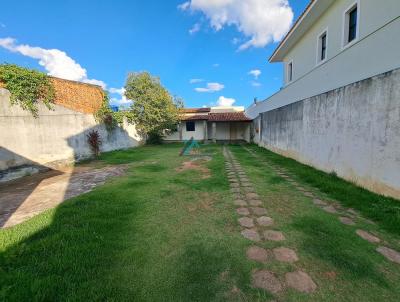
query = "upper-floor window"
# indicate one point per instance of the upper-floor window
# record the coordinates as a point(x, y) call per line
point(190, 126)
point(290, 72)
point(322, 46)
point(351, 24)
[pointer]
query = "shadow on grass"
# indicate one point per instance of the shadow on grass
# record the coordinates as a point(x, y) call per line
point(340, 248)
point(381, 209)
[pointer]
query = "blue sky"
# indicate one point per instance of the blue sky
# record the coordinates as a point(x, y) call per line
point(215, 45)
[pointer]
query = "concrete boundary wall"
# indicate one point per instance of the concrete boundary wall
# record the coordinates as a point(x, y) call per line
point(353, 131)
point(56, 138)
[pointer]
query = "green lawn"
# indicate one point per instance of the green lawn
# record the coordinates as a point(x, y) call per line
point(162, 233)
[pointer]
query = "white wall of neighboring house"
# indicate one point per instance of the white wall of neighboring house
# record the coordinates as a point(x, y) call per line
point(375, 51)
point(198, 134)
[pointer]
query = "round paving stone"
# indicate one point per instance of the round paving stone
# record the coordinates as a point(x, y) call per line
point(301, 282)
point(367, 236)
point(390, 254)
point(246, 222)
point(240, 203)
point(249, 189)
point(301, 189)
point(265, 221)
point(251, 234)
point(274, 235)
point(284, 254)
point(329, 209)
point(246, 184)
point(266, 280)
point(233, 180)
point(243, 211)
point(235, 190)
point(252, 195)
point(255, 202)
point(308, 194)
point(257, 254)
point(235, 185)
point(346, 220)
point(319, 202)
point(258, 211)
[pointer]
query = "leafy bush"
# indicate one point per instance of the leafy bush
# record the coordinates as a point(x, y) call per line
point(95, 142)
point(105, 115)
point(27, 87)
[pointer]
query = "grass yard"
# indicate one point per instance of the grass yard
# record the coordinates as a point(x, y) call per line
point(168, 231)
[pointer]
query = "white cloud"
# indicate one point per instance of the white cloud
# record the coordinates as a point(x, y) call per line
point(262, 21)
point(210, 87)
point(235, 41)
point(194, 81)
point(223, 101)
point(184, 6)
point(121, 99)
point(196, 27)
point(56, 62)
point(255, 73)
point(255, 84)
point(216, 65)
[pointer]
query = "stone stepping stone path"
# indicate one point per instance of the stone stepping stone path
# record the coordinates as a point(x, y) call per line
point(284, 254)
point(255, 226)
point(300, 281)
point(346, 220)
point(388, 253)
point(257, 254)
point(266, 280)
point(367, 236)
point(274, 235)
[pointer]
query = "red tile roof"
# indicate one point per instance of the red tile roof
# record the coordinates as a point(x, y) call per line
point(195, 110)
point(198, 117)
point(228, 117)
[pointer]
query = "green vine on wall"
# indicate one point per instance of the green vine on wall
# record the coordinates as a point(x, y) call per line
point(106, 115)
point(27, 87)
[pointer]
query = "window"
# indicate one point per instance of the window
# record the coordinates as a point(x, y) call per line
point(322, 46)
point(290, 72)
point(351, 24)
point(190, 126)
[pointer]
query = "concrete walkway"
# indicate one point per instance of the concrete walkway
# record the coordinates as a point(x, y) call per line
point(26, 197)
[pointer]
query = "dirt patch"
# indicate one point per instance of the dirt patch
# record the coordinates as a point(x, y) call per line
point(206, 203)
point(197, 165)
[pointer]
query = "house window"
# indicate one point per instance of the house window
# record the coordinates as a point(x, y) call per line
point(351, 24)
point(290, 72)
point(190, 126)
point(322, 47)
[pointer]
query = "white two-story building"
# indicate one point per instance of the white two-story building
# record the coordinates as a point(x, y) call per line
point(335, 43)
point(339, 107)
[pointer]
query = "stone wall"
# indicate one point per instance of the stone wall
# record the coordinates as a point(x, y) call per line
point(353, 131)
point(57, 137)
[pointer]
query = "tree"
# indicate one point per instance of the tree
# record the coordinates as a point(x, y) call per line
point(153, 111)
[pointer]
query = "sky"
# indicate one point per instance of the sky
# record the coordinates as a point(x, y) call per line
point(208, 52)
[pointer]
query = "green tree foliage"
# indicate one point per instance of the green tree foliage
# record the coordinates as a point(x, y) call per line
point(27, 87)
point(154, 111)
point(106, 115)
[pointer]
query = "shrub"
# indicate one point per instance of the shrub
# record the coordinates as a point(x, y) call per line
point(94, 141)
point(27, 87)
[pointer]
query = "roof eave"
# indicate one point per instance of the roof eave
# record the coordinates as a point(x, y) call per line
point(314, 10)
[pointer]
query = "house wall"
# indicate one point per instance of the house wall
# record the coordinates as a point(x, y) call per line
point(353, 130)
point(198, 134)
point(376, 51)
point(55, 138)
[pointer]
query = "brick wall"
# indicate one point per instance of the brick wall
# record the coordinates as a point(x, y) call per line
point(81, 97)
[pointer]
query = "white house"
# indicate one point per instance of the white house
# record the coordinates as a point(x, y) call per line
point(335, 43)
point(213, 124)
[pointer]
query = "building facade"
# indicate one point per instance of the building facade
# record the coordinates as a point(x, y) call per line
point(335, 43)
point(217, 124)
